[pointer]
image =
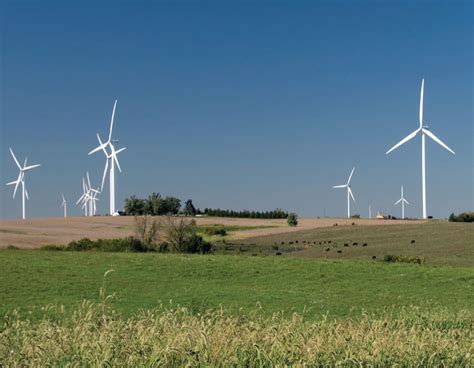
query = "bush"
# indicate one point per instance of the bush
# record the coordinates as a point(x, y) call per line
point(403, 259)
point(292, 219)
point(129, 244)
point(215, 231)
point(182, 238)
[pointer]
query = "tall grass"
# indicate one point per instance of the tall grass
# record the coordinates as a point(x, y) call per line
point(96, 336)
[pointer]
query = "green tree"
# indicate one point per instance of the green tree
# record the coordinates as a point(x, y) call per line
point(292, 219)
point(189, 209)
point(134, 206)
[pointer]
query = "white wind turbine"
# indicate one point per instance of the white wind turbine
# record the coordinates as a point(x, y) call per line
point(111, 161)
point(21, 179)
point(84, 198)
point(402, 200)
point(424, 132)
point(64, 205)
point(349, 193)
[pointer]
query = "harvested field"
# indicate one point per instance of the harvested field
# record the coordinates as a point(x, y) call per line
point(34, 233)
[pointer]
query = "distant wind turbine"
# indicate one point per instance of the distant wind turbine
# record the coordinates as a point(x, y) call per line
point(21, 179)
point(64, 205)
point(349, 193)
point(402, 200)
point(111, 161)
point(424, 132)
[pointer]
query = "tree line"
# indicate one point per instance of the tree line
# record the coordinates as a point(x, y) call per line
point(462, 217)
point(275, 214)
point(156, 205)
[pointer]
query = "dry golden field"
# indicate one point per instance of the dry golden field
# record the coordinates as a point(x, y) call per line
point(33, 233)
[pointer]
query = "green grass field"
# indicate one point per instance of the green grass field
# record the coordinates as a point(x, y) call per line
point(32, 279)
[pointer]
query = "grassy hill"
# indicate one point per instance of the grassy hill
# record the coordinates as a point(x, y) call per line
point(438, 242)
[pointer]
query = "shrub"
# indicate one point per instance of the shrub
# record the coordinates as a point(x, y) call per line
point(403, 259)
point(292, 219)
point(147, 230)
point(215, 231)
point(182, 238)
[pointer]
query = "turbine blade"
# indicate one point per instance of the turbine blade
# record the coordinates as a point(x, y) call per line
point(100, 147)
point(404, 140)
point(120, 150)
point(80, 199)
point(88, 180)
point(397, 202)
point(105, 174)
point(12, 182)
point(350, 176)
point(31, 167)
point(437, 140)
point(18, 181)
point(421, 102)
point(14, 158)
point(112, 122)
point(116, 161)
point(404, 200)
point(340, 186)
point(350, 192)
point(26, 194)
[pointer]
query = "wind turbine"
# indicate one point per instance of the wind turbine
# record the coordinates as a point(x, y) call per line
point(349, 193)
point(64, 204)
point(403, 201)
point(111, 161)
point(21, 179)
point(84, 198)
point(424, 132)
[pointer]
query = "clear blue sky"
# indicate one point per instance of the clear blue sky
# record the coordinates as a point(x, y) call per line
point(252, 105)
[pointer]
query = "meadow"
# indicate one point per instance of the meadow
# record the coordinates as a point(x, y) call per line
point(307, 306)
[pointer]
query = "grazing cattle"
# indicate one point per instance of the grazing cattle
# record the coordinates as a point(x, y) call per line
point(364, 245)
point(291, 243)
point(329, 242)
point(355, 244)
point(374, 257)
point(346, 245)
point(282, 243)
point(353, 223)
point(412, 241)
point(327, 249)
point(339, 251)
point(334, 224)
point(278, 253)
point(296, 241)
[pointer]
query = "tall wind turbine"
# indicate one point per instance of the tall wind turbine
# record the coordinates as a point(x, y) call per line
point(349, 193)
point(21, 179)
point(111, 161)
point(424, 132)
point(64, 205)
point(402, 200)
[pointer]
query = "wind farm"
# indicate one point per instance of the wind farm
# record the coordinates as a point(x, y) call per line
point(232, 184)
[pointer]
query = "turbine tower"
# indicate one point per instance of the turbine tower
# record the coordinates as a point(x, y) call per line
point(64, 205)
point(424, 132)
point(111, 161)
point(402, 200)
point(21, 179)
point(349, 193)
